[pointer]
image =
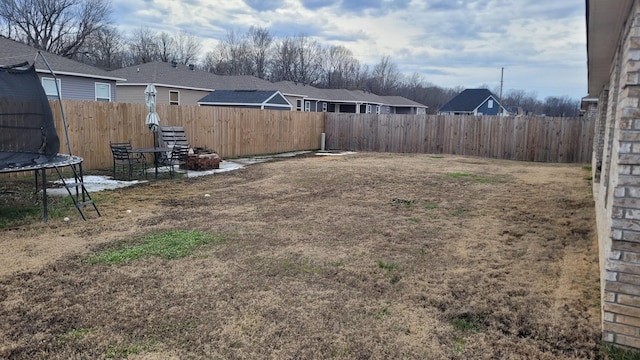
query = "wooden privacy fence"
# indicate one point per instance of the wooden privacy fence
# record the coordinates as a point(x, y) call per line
point(567, 140)
point(232, 132)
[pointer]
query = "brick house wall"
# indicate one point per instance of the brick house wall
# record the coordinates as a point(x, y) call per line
point(599, 138)
point(617, 189)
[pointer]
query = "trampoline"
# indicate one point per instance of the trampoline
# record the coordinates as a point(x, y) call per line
point(28, 138)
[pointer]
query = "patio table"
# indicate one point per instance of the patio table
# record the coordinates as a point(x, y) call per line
point(153, 150)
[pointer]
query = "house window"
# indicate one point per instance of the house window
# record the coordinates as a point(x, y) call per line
point(377, 109)
point(103, 92)
point(324, 107)
point(307, 106)
point(49, 85)
point(299, 105)
point(174, 97)
point(490, 104)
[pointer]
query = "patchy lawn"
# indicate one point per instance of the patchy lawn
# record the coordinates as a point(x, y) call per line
point(363, 256)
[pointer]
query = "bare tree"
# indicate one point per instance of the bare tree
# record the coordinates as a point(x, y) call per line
point(166, 47)
point(283, 62)
point(209, 62)
point(385, 77)
point(309, 56)
point(143, 46)
point(260, 43)
point(105, 49)
point(362, 78)
point(187, 48)
point(341, 68)
point(231, 56)
point(299, 59)
point(562, 106)
point(58, 26)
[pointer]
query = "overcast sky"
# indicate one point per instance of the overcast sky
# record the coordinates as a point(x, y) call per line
point(540, 43)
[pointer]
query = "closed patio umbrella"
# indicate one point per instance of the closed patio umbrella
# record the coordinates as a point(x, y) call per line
point(152, 120)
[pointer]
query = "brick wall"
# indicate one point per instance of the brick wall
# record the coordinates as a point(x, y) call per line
point(600, 135)
point(617, 193)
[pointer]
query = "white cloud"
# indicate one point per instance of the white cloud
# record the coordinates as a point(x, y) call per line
point(541, 43)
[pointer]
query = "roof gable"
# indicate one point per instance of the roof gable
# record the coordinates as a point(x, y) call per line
point(468, 100)
point(245, 97)
point(13, 52)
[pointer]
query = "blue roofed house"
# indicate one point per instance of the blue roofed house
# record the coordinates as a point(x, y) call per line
point(474, 102)
point(76, 81)
point(304, 97)
point(179, 84)
point(253, 99)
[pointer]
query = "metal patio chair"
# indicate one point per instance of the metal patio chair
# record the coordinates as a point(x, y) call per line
point(178, 157)
point(126, 161)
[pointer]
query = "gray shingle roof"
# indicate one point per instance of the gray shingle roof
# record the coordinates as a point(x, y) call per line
point(241, 82)
point(402, 101)
point(182, 76)
point(246, 97)
point(13, 52)
point(292, 88)
point(161, 73)
point(468, 100)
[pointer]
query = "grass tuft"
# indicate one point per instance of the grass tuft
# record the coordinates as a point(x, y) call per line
point(466, 323)
point(458, 175)
point(612, 352)
point(430, 206)
point(459, 212)
point(476, 178)
point(389, 266)
point(12, 216)
point(74, 335)
point(126, 351)
point(167, 245)
point(458, 344)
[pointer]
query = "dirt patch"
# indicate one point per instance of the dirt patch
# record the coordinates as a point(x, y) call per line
point(363, 256)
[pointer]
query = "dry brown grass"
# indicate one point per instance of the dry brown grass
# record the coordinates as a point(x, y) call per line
point(367, 256)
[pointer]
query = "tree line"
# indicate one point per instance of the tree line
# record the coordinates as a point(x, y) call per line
point(81, 30)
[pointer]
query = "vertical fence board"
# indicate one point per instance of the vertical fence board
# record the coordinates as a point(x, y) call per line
point(234, 132)
point(525, 138)
point(231, 132)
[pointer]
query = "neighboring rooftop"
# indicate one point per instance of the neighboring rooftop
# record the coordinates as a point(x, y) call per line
point(245, 97)
point(13, 52)
point(161, 73)
point(182, 76)
point(187, 77)
point(402, 101)
point(468, 100)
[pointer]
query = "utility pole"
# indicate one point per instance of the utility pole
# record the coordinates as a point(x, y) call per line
point(501, 84)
